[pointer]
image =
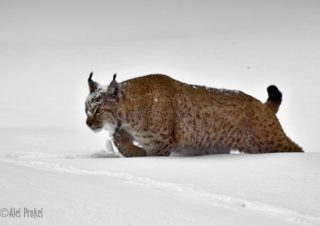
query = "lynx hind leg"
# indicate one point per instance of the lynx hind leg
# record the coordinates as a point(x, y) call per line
point(269, 143)
point(273, 139)
point(124, 142)
point(287, 145)
point(264, 133)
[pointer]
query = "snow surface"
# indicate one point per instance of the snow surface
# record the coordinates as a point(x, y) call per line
point(49, 158)
point(83, 187)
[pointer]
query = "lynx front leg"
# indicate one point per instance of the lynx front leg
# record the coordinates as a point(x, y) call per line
point(124, 142)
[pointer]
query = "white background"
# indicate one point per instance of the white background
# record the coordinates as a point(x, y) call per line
point(48, 48)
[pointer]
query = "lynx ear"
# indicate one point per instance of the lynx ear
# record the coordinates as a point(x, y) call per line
point(92, 84)
point(113, 88)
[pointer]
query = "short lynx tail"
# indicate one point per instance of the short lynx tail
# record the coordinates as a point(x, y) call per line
point(274, 98)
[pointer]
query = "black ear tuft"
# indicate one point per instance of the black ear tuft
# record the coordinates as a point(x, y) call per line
point(90, 76)
point(92, 84)
point(274, 94)
point(113, 88)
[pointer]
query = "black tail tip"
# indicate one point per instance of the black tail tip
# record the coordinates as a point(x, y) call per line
point(274, 94)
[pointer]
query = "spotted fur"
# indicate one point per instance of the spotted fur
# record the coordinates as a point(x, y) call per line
point(164, 115)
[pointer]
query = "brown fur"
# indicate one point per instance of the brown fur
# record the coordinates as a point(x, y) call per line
point(164, 115)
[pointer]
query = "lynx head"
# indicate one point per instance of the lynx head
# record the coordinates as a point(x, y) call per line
point(101, 104)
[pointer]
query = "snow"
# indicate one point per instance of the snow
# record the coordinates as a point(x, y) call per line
point(278, 189)
point(50, 159)
point(80, 186)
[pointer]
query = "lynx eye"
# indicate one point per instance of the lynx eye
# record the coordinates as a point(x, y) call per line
point(98, 112)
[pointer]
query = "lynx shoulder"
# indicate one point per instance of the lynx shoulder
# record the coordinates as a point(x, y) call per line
point(157, 115)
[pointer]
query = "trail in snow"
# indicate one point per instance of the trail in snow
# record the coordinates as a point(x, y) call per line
point(34, 160)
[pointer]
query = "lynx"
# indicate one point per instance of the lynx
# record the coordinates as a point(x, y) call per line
point(155, 115)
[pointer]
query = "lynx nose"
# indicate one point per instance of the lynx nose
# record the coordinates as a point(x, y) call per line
point(89, 122)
